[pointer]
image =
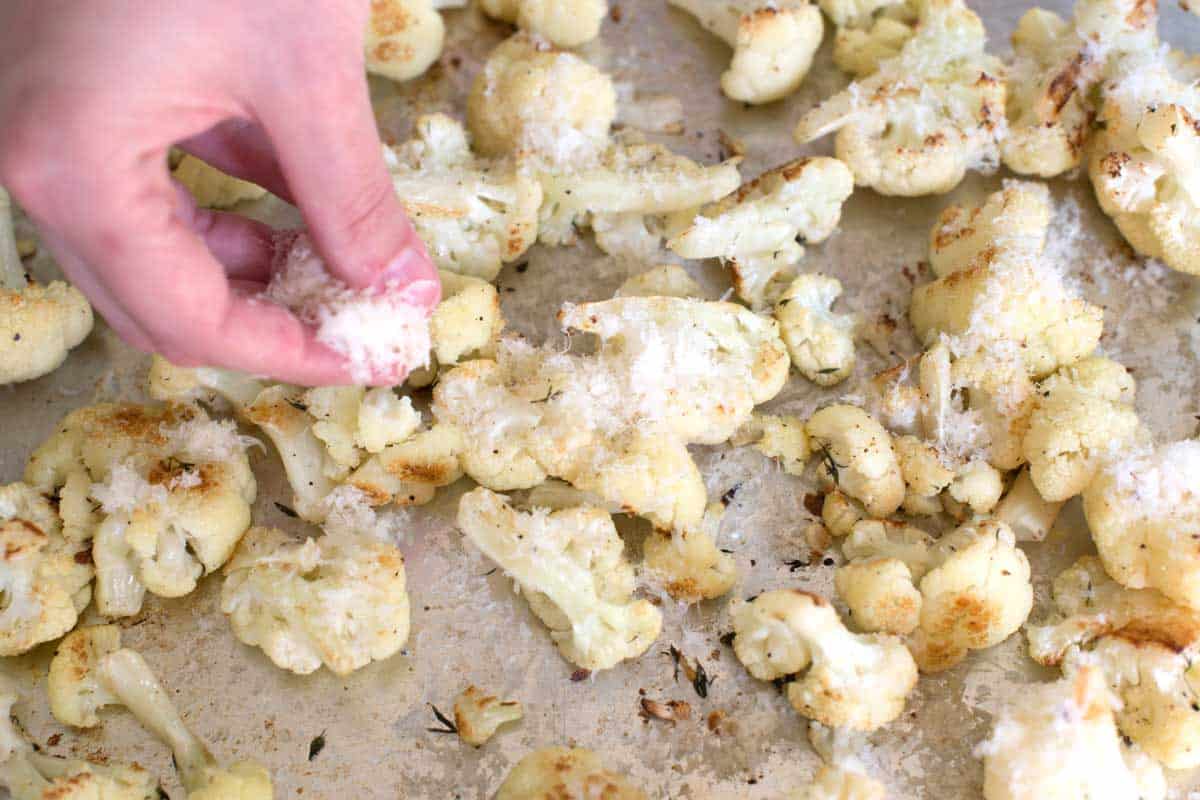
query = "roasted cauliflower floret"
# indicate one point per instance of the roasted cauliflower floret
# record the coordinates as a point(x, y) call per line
point(45, 579)
point(404, 36)
point(478, 715)
point(39, 324)
point(1143, 160)
point(688, 561)
point(925, 474)
point(473, 215)
point(1024, 510)
point(880, 595)
point(854, 13)
point(869, 32)
point(1016, 218)
point(174, 490)
point(563, 23)
point(847, 680)
point(667, 280)
point(1084, 416)
point(337, 600)
point(212, 188)
point(532, 100)
point(91, 670)
point(1057, 741)
point(927, 115)
point(836, 783)
point(1144, 514)
point(773, 45)
point(570, 567)
point(782, 438)
point(757, 230)
point(820, 341)
point(1146, 646)
point(467, 322)
point(560, 773)
point(30, 775)
point(857, 457)
point(978, 594)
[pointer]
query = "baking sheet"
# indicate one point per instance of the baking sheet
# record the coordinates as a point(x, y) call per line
point(470, 627)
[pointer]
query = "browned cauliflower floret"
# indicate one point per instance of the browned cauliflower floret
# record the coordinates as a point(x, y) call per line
point(687, 560)
point(878, 583)
point(1144, 514)
point(869, 32)
point(843, 679)
point(477, 715)
point(39, 324)
point(782, 438)
point(773, 44)
point(530, 99)
point(405, 36)
point(1146, 646)
point(820, 341)
point(857, 457)
point(173, 487)
point(928, 115)
point(560, 773)
point(564, 23)
point(667, 280)
point(45, 579)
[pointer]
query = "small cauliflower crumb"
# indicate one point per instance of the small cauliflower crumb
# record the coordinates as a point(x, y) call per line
point(477, 715)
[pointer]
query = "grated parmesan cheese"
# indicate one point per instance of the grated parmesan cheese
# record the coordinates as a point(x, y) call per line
point(126, 490)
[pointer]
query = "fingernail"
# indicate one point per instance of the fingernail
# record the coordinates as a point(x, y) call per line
point(410, 266)
point(422, 293)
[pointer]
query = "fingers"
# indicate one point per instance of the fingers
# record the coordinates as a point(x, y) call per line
point(240, 148)
point(244, 246)
point(334, 165)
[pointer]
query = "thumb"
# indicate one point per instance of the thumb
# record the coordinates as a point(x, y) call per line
point(333, 162)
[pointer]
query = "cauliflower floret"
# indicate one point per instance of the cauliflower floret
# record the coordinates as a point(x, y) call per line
point(1146, 646)
point(404, 36)
point(782, 438)
point(468, 321)
point(212, 188)
point(927, 115)
point(977, 596)
point(337, 600)
point(840, 513)
point(1024, 510)
point(856, 13)
point(667, 280)
point(563, 23)
point(835, 783)
point(758, 229)
point(884, 539)
point(174, 490)
point(91, 670)
point(976, 487)
point(409, 472)
point(850, 680)
point(820, 341)
point(688, 561)
point(773, 45)
point(531, 99)
point(632, 183)
point(875, 31)
point(1143, 160)
point(560, 773)
point(39, 324)
point(1144, 514)
point(857, 457)
point(30, 775)
point(1057, 741)
point(570, 567)
point(1016, 218)
point(925, 475)
point(44, 578)
point(477, 715)
point(473, 215)
point(880, 595)
point(1084, 416)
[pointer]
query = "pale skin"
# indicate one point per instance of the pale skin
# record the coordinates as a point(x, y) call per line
point(94, 94)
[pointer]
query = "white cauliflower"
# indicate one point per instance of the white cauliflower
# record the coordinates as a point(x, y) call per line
point(773, 44)
point(212, 188)
point(687, 560)
point(174, 490)
point(1014, 219)
point(842, 679)
point(532, 100)
point(666, 280)
point(854, 13)
point(873, 539)
point(467, 322)
point(880, 595)
point(404, 37)
point(410, 472)
point(91, 670)
point(1146, 647)
point(473, 215)
point(840, 513)
point(1024, 510)
point(477, 716)
point(857, 457)
point(1084, 416)
point(758, 229)
point(39, 324)
point(1057, 741)
point(820, 341)
point(1144, 514)
point(869, 32)
point(337, 600)
point(782, 438)
point(925, 474)
point(563, 23)
point(978, 594)
point(836, 783)
point(45, 579)
point(560, 773)
point(928, 115)
point(1143, 160)
point(570, 567)
point(30, 775)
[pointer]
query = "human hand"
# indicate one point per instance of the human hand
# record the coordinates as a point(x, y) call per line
point(92, 97)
